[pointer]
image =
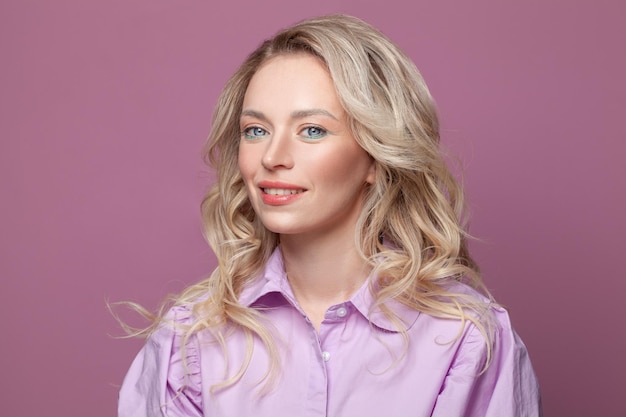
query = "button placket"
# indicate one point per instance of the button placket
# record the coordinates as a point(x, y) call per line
point(334, 317)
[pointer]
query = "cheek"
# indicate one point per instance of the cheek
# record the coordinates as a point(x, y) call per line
point(245, 163)
point(347, 165)
point(338, 170)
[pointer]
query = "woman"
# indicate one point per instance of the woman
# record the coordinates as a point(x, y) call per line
point(344, 285)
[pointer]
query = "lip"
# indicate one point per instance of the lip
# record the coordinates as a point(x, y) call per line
point(282, 192)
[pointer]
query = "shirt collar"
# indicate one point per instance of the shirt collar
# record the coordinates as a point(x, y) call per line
point(363, 300)
point(273, 279)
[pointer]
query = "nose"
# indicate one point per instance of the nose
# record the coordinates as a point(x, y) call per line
point(278, 153)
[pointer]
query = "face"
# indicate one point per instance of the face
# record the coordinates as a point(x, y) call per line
point(304, 172)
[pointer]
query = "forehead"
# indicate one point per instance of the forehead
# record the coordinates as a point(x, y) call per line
point(301, 79)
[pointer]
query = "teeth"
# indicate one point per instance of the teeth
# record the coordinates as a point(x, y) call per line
point(280, 191)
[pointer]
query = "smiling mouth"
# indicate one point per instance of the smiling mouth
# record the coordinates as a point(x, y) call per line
point(281, 191)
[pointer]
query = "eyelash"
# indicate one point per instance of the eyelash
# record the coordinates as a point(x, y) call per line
point(248, 132)
point(322, 132)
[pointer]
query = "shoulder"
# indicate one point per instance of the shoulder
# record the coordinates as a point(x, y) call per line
point(177, 317)
point(490, 368)
point(172, 327)
point(487, 322)
point(473, 325)
point(175, 337)
point(165, 376)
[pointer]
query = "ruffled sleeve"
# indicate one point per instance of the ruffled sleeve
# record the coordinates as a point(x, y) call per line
point(507, 388)
point(161, 381)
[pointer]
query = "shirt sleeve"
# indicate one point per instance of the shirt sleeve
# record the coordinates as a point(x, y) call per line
point(507, 388)
point(160, 381)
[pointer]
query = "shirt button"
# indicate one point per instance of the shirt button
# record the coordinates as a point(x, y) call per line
point(326, 356)
point(341, 312)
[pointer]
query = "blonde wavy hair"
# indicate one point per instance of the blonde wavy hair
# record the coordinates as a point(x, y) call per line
point(411, 230)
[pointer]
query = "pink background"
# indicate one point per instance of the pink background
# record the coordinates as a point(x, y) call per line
point(104, 107)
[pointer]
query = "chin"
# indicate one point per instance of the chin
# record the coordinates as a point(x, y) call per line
point(282, 230)
point(281, 224)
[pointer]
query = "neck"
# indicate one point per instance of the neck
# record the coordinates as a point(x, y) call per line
point(322, 271)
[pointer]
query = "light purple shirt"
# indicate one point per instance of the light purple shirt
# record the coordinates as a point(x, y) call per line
point(347, 369)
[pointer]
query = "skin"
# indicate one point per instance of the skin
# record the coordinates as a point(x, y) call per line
point(306, 176)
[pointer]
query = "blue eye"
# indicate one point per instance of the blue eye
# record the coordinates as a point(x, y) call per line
point(313, 132)
point(254, 132)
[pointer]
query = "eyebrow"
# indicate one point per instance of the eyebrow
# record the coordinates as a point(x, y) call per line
point(298, 114)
